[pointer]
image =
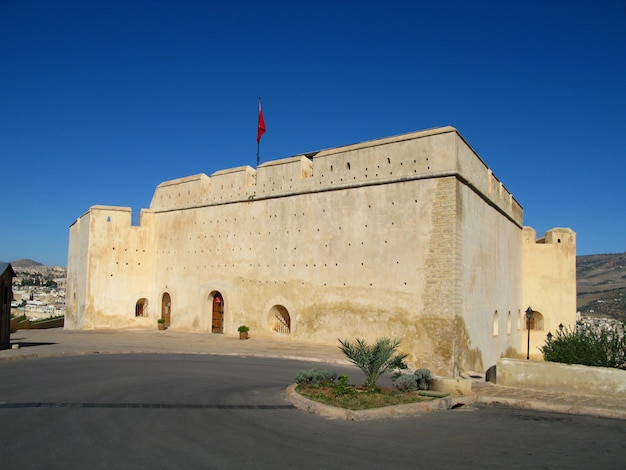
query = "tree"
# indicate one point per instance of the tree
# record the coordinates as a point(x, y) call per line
point(374, 360)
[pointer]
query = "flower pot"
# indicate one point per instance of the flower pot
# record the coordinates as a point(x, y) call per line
point(161, 326)
point(243, 335)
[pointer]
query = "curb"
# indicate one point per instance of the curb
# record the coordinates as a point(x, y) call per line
point(536, 405)
point(396, 411)
point(447, 403)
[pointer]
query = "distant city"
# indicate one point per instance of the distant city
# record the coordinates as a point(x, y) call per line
point(38, 290)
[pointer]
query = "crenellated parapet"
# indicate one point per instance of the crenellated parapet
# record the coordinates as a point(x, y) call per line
point(563, 238)
point(284, 176)
point(181, 192)
point(419, 155)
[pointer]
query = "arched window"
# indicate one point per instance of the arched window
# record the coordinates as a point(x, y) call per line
point(280, 320)
point(536, 321)
point(141, 308)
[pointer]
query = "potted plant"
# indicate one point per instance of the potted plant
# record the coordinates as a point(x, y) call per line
point(243, 332)
point(161, 323)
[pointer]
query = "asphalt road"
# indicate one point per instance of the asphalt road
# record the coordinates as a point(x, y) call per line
point(223, 412)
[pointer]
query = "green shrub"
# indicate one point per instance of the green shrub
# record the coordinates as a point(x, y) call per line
point(376, 359)
point(316, 377)
point(418, 380)
point(586, 345)
point(342, 387)
point(423, 378)
point(405, 382)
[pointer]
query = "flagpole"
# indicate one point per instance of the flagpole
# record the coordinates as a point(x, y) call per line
point(258, 139)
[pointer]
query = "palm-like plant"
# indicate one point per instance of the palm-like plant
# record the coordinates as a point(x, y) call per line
point(376, 359)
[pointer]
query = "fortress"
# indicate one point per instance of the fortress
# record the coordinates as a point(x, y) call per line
point(411, 237)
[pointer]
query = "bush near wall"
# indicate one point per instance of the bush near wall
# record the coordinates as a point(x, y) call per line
point(588, 346)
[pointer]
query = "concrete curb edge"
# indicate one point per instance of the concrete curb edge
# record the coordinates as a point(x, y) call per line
point(395, 411)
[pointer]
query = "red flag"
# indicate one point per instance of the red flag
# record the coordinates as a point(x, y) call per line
point(261, 128)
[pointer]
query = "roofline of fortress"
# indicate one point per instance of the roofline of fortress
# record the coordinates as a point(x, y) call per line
point(330, 151)
point(307, 161)
point(392, 139)
point(361, 184)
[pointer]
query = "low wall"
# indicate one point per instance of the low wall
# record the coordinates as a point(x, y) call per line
point(561, 377)
point(54, 323)
point(16, 324)
point(451, 385)
point(29, 325)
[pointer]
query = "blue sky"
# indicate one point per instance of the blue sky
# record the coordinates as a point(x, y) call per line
point(100, 101)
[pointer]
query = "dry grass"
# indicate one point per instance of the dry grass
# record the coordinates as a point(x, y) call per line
point(359, 399)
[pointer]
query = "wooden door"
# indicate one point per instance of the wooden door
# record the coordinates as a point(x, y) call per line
point(166, 308)
point(217, 325)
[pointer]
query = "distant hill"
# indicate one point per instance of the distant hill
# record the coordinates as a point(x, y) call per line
point(601, 285)
point(25, 263)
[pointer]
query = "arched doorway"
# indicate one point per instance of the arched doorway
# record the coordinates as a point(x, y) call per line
point(217, 323)
point(166, 308)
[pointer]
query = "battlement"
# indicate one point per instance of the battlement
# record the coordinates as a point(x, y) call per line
point(554, 236)
point(419, 155)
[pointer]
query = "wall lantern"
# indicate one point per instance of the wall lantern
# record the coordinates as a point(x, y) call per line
point(529, 315)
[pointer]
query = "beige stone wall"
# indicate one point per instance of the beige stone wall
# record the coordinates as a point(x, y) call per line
point(410, 237)
point(339, 258)
point(490, 280)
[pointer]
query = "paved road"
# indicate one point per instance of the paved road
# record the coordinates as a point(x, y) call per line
point(195, 411)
